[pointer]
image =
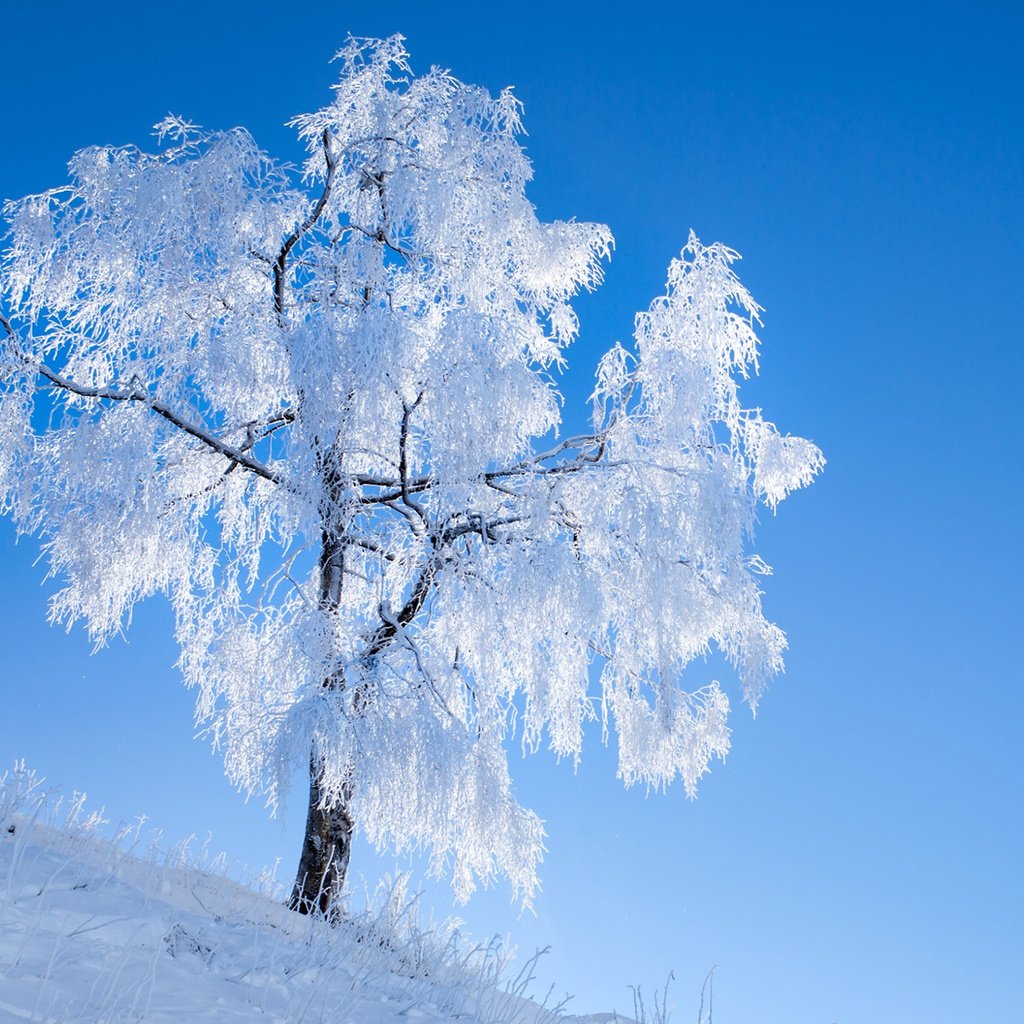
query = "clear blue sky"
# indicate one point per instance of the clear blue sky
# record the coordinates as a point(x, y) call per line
point(858, 858)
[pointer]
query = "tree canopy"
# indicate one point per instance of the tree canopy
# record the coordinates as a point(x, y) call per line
point(319, 410)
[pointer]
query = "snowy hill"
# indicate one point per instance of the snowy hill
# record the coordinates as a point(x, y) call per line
point(97, 929)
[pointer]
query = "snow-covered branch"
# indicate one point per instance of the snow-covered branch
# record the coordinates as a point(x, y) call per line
point(281, 263)
point(238, 456)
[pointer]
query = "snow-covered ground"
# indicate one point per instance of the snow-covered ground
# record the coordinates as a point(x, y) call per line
point(117, 928)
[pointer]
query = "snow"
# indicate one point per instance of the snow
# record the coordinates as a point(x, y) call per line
point(122, 929)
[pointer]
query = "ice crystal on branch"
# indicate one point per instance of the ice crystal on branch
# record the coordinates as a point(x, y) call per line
point(311, 411)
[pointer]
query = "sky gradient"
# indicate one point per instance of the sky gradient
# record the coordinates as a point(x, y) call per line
point(858, 856)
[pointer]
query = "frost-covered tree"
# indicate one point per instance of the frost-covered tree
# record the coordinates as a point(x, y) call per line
point(320, 413)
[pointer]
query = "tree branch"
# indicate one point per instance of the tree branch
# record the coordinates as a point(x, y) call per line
point(381, 237)
point(582, 442)
point(237, 456)
point(280, 264)
point(367, 545)
point(403, 460)
point(233, 454)
point(389, 629)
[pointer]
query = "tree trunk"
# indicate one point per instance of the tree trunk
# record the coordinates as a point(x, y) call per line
point(325, 853)
point(328, 841)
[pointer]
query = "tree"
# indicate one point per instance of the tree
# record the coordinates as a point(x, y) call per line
point(319, 412)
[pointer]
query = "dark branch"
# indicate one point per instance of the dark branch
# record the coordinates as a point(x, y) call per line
point(478, 524)
point(237, 456)
point(388, 630)
point(581, 442)
point(367, 545)
point(281, 263)
point(403, 460)
point(381, 237)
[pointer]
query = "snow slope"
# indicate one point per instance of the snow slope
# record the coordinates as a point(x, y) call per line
point(97, 929)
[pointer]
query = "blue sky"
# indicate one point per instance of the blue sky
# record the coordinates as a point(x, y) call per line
point(858, 856)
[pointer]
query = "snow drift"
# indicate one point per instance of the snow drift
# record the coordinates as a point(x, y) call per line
point(122, 928)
